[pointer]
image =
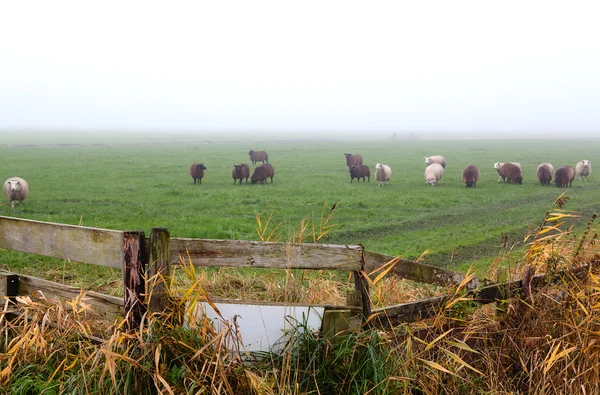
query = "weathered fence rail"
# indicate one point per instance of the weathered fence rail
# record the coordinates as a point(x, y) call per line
point(150, 258)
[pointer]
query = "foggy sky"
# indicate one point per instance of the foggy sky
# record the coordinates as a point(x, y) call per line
point(310, 65)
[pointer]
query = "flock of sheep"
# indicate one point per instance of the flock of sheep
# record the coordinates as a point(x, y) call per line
point(242, 171)
point(16, 189)
point(508, 172)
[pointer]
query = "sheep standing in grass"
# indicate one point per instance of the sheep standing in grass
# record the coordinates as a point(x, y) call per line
point(197, 171)
point(498, 167)
point(383, 174)
point(240, 172)
point(544, 173)
point(470, 176)
point(583, 169)
point(258, 156)
point(564, 176)
point(435, 159)
point(511, 173)
point(261, 173)
point(16, 189)
point(434, 173)
point(358, 172)
point(270, 171)
point(353, 159)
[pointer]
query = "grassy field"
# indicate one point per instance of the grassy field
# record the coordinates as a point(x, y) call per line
point(136, 183)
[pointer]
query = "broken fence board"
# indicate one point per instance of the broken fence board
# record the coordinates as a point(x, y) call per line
point(415, 311)
point(76, 243)
point(105, 306)
point(418, 272)
point(256, 254)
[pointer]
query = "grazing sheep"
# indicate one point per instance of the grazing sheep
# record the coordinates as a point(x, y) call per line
point(583, 169)
point(353, 159)
point(258, 156)
point(563, 177)
point(470, 175)
point(511, 173)
point(544, 173)
point(240, 172)
point(498, 167)
point(435, 159)
point(270, 171)
point(261, 173)
point(16, 189)
point(383, 174)
point(358, 172)
point(434, 173)
point(197, 171)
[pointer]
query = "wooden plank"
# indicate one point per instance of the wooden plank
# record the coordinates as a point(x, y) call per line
point(408, 312)
point(134, 270)
point(76, 243)
point(159, 269)
point(418, 272)
point(356, 309)
point(255, 254)
point(414, 311)
point(105, 306)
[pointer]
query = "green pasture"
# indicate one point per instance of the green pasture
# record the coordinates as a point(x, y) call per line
point(143, 182)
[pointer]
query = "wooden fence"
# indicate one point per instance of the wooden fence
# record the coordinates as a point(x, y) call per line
point(143, 258)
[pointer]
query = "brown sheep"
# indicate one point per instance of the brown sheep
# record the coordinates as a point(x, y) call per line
point(544, 173)
point(353, 159)
point(261, 173)
point(511, 173)
point(197, 171)
point(258, 156)
point(470, 176)
point(358, 172)
point(240, 172)
point(564, 176)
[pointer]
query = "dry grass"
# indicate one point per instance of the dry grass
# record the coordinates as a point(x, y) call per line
point(544, 342)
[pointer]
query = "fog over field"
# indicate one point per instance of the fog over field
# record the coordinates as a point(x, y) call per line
point(273, 70)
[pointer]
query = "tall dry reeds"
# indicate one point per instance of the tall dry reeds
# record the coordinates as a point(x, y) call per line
point(545, 341)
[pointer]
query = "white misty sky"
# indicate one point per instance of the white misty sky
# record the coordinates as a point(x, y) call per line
point(276, 65)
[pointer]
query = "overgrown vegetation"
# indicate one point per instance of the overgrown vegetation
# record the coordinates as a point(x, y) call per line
point(541, 342)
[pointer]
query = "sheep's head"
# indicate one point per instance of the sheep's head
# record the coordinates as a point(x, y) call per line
point(378, 166)
point(201, 167)
point(347, 155)
point(250, 152)
point(497, 165)
point(427, 161)
point(431, 181)
point(586, 164)
point(14, 185)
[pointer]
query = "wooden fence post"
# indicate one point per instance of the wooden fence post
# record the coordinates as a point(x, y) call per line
point(134, 265)
point(361, 284)
point(9, 287)
point(159, 271)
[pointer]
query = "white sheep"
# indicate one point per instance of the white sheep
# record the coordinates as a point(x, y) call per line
point(433, 173)
point(383, 174)
point(435, 159)
point(16, 189)
point(583, 169)
point(498, 167)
